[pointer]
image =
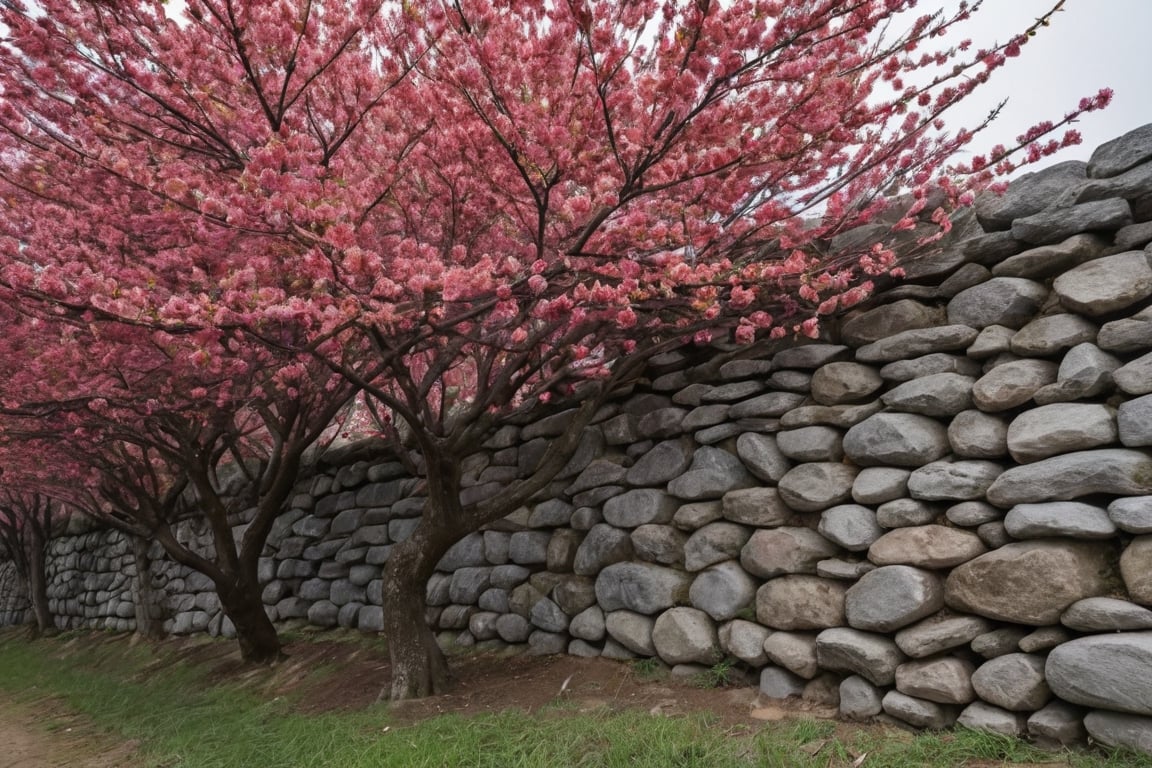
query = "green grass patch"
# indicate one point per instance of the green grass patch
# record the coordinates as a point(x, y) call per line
point(181, 721)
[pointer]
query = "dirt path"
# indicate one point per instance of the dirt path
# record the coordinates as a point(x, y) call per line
point(43, 735)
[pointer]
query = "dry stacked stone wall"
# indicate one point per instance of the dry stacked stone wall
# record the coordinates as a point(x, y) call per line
point(939, 513)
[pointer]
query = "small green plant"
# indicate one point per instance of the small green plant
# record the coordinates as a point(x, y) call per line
point(719, 675)
point(648, 669)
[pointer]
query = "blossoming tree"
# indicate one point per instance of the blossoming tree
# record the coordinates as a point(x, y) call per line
point(469, 207)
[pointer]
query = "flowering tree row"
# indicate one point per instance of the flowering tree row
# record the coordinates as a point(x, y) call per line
point(217, 229)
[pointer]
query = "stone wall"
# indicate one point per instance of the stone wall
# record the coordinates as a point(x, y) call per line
point(939, 513)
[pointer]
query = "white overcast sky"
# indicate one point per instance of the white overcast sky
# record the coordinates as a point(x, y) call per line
point(1091, 44)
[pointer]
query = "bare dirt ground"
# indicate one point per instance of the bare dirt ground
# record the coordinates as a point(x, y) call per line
point(46, 735)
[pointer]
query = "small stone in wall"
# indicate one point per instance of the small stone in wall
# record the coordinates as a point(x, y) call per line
point(800, 603)
point(953, 480)
point(1132, 514)
point(872, 656)
point(980, 716)
point(1014, 682)
point(1055, 225)
point(892, 597)
point(1130, 334)
point(900, 439)
point(1007, 301)
point(723, 591)
point(876, 485)
point(919, 712)
point(939, 633)
point(1059, 518)
point(745, 641)
point(927, 546)
point(1135, 377)
point(1136, 569)
point(839, 383)
point(1104, 671)
point(1049, 260)
point(851, 526)
point(1106, 285)
point(1119, 730)
point(902, 513)
point(762, 456)
point(889, 319)
point(1115, 471)
point(928, 365)
point(816, 486)
point(937, 394)
point(1012, 384)
point(910, 344)
point(945, 680)
point(1052, 334)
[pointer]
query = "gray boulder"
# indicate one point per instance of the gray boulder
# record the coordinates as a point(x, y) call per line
point(1134, 422)
point(1014, 681)
point(926, 546)
point(686, 636)
point(1106, 614)
point(859, 699)
point(914, 343)
point(640, 506)
point(816, 443)
point(663, 462)
point(603, 546)
point(795, 651)
point(745, 641)
point(1121, 154)
point(713, 473)
point(816, 486)
point(1136, 569)
point(1130, 334)
point(939, 633)
point(1135, 377)
point(1107, 671)
point(641, 587)
point(761, 507)
point(919, 712)
point(1049, 260)
point(978, 435)
point(1132, 514)
point(1007, 301)
point(1106, 285)
point(1052, 334)
point(930, 365)
point(871, 656)
point(800, 603)
point(945, 680)
point(892, 597)
point(837, 383)
point(1060, 428)
point(876, 485)
point(786, 550)
point(1030, 193)
point(714, 543)
point(1012, 384)
point(888, 320)
point(1115, 471)
point(1059, 518)
point(655, 543)
point(632, 630)
point(723, 591)
point(762, 456)
point(1117, 730)
point(901, 439)
point(953, 480)
point(1054, 225)
point(938, 394)
point(984, 717)
point(851, 526)
point(588, 625)
point(1031, 582)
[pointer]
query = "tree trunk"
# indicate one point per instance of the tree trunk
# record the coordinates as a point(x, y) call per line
point(418, 665)
point(149, 611)
point(259, 642)
point(38, 587)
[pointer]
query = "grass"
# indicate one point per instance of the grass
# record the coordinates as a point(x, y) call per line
point(181, 721)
